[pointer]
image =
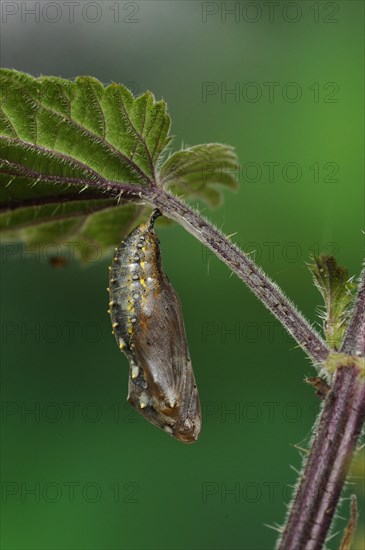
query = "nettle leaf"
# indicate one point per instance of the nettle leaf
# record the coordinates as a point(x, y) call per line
point(337, 290)
point(69, 151)
point(200, 169)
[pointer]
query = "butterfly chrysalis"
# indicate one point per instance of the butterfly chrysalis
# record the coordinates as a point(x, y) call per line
point(148, 326)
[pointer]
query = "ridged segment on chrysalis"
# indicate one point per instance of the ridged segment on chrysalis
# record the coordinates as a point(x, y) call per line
point(148, 326)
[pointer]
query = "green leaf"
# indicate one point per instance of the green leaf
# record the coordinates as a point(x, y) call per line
point(68, 125)
point(200, 170)
point(61, 143)
point(337, 289)
point(70, 150)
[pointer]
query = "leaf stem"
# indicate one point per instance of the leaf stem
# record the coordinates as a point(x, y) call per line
point(261, 285)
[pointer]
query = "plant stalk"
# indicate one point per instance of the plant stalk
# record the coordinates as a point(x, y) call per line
point(354, 341)
point(327, 466)
point(261, 285)
point(337, 432)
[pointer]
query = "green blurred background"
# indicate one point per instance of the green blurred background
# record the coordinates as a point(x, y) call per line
point(101, 476)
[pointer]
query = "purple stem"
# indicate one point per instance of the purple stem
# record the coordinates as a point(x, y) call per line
point(259, 283)
point(354, 341)
point(333, 447)
point(327, 466)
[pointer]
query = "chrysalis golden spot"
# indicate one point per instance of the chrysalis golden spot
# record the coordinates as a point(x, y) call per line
point(135, 371)
point(111, 303)
point(115, 325)
point(143, 400)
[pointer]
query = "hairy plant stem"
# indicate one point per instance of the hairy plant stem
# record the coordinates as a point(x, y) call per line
point(326, 468)
point(260, 284)
point(354, 341)
point(337, 432)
